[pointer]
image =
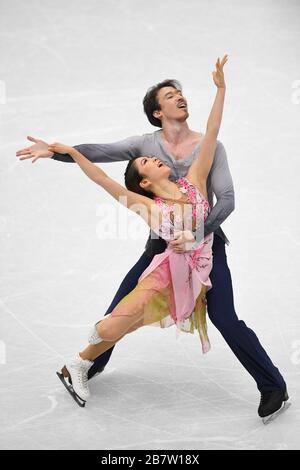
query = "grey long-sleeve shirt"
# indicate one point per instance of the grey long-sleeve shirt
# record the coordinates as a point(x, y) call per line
point(219, 181)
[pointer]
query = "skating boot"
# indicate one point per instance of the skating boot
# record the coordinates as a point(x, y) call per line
point(74, 376)
point(272, 404)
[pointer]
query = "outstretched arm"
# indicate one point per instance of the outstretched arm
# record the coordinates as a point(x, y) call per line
point(201, 166)
point(119, 151)
point(222, 187)
point(142, 205)
point(212, 160)
point(112, 152)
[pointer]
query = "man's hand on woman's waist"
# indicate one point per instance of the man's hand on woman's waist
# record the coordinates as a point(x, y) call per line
point(184, 241)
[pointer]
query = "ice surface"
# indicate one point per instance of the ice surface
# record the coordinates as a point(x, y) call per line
point(76, 72)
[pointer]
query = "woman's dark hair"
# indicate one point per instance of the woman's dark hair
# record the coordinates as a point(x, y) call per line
point(151, 103)
point(133, 178)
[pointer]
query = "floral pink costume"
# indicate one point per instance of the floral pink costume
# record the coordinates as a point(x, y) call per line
point(172, 289)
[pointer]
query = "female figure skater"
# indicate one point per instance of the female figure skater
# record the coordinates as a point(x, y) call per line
point(171, 291)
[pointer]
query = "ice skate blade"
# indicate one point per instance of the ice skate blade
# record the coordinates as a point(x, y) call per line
point(70, 389)
point(267, 419)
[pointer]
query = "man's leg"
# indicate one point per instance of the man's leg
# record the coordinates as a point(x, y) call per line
point(127, 285)
point(241, 339)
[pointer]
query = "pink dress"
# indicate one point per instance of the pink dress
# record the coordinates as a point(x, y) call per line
point(172, 289)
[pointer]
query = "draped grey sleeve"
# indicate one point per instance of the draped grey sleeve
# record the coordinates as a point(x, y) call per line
point(105, 153)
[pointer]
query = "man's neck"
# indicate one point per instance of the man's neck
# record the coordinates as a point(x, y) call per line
point(176, 133)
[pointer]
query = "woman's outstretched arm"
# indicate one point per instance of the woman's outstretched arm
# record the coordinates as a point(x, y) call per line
point(142, 205)
point(201, 166)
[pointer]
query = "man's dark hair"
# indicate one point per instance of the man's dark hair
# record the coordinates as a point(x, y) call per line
point(151, 103)
point(133, 178)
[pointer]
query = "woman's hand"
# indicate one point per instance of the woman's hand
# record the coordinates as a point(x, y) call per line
point(60, 148)
point(184, 242)
point(218, 75)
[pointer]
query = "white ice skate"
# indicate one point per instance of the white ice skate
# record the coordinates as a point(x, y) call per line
point(76, 372)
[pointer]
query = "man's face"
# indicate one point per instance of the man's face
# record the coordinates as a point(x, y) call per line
point(173, 105)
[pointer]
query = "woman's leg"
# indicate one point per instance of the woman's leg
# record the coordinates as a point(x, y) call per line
point(127, 285)
point(127, 316)
point(92, 351)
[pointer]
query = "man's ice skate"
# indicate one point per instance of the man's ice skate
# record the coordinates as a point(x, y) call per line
point(272, 404)
point(74, 376)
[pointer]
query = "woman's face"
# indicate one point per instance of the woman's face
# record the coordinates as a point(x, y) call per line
point(152, 169)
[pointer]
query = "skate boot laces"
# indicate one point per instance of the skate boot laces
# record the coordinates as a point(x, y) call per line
point(264, 398)
point(82, 376)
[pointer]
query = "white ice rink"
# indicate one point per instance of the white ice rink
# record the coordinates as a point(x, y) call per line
point(76, 72)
